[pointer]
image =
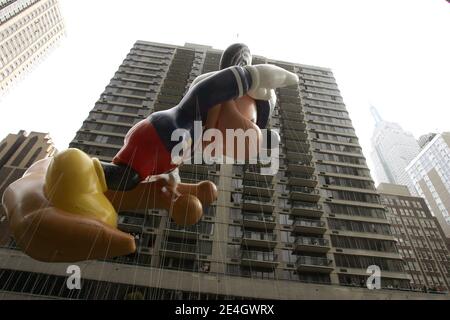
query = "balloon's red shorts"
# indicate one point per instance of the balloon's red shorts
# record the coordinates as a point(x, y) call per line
point(144, 151)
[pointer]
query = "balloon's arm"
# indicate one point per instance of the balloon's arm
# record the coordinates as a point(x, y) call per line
point(148, 195)
point(219, 87)
point(201, 77)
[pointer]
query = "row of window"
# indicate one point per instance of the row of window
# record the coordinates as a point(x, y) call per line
point(327, 127)
point(347, 182)
point(359, 226)
point(363, 243)
point(328, 119)
point(336, 147)
point(363, 262)
point(352, 196)
point(354, 210)
point(343, 170)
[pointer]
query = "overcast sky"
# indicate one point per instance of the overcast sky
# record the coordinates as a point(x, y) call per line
point(393, 54)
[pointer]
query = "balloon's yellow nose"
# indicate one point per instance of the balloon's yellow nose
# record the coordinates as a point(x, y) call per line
point(76, 184)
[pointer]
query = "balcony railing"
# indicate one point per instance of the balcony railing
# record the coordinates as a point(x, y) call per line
point(254, 199)
point(257, 184)
point(259, 255)
point(304, 190)
point(306, 205)
point(314, 261)
point(259, 236)
point(309, 223)
point(309, 241)
point(180, 247)
point(255, 217)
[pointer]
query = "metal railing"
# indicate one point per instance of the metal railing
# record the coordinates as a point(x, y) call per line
point(310, 241)
point(305, 205)
point(256, 217)
point(258, 184)
point(304, 190)
point(254, 199)
point(259, 236)
point(309, 223)
point(181, 247)
point(315, 261)
point(259, 255)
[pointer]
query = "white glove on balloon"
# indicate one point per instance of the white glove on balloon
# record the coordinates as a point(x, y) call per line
point(266, 77)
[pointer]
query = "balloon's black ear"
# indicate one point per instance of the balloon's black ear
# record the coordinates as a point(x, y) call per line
point(237, 54)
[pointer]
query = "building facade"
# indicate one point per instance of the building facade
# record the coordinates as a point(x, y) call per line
point(392, 150)
point(17, 153)
point(419, 238)
point(430, 173)
point(308, 232)
point(28, 29)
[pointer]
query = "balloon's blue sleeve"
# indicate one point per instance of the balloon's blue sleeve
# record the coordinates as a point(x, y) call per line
point(224, 85)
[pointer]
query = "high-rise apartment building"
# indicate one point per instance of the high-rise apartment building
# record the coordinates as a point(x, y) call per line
point(430, 173)
point(419, 238)
point(309, 232)
point(392, 150)
point(17, 153)
point(28, 29)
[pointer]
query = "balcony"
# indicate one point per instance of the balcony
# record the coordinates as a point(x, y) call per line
point(288, 92)
point(253, 172)
point(314, 264)
point(306, 209)
point(184, 232)
point(259, 259)
point(297, 124)
point(302, 179)
point(293, 137)
point(304, 194)
point(310, 244)
point(294, 156)
point(179, 250)
point(258, 204)
point(292, 116)
point(300, 167)
point(259, 239)
point(258, 188)
point(290, 104)
point(309, 226)
point(260, 221)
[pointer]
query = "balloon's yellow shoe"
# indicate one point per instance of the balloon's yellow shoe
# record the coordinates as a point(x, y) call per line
point(76, 184)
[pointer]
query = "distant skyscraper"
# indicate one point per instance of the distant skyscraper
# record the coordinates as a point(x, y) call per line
point(419, 238)
point(17, 153)
point(424, 139)
point(392, 150)
point(28, 28)
point(430, 172)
